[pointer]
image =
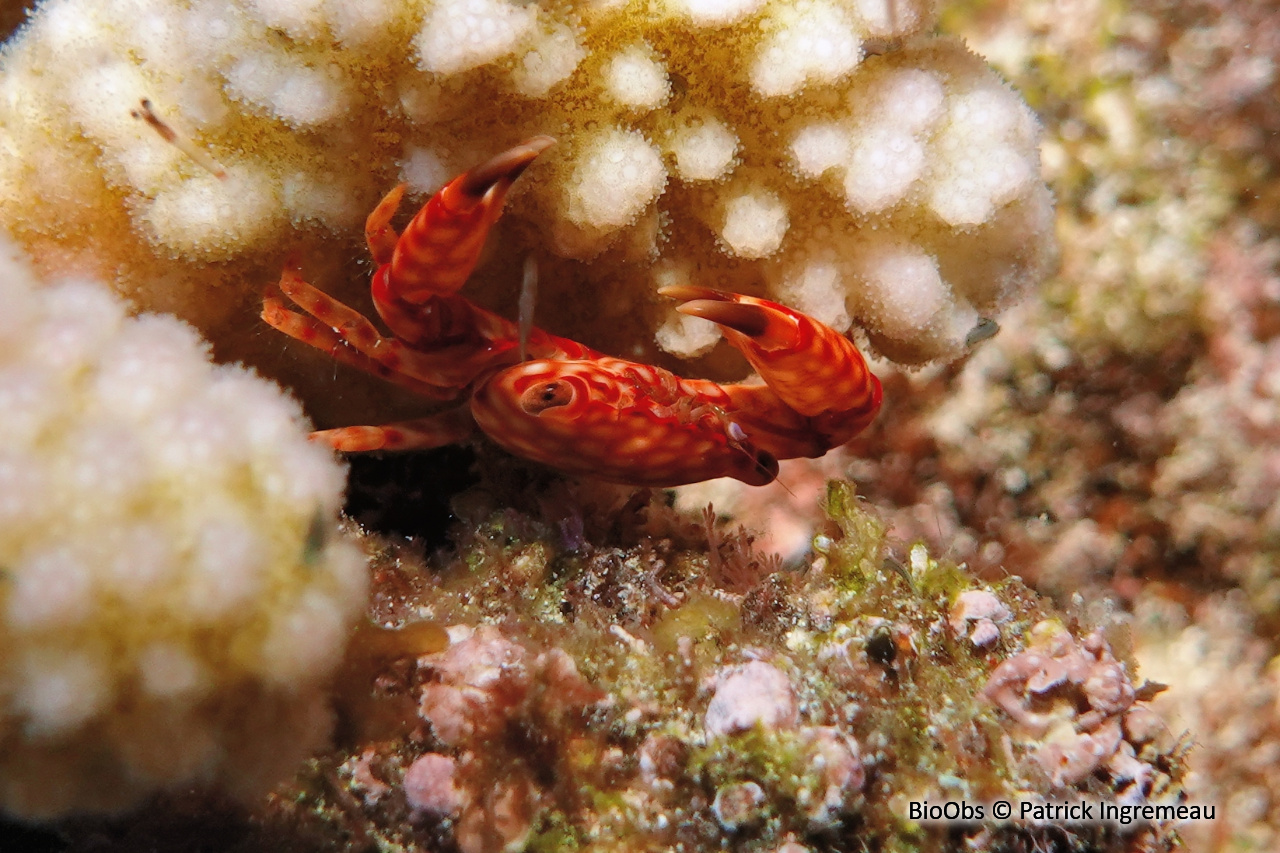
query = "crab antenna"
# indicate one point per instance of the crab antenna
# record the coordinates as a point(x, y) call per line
point(528, 296)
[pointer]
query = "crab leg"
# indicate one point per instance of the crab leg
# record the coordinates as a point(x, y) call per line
point(418, 434)
point(350, 337)
point(352, 326)
point(378, 233)
point(314, 333)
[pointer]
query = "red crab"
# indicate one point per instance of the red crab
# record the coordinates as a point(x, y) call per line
point(569, 406)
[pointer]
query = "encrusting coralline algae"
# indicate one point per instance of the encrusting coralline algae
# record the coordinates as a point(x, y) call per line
point(606, 691)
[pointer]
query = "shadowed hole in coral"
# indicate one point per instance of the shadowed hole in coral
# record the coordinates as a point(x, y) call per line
point(17, 836)
point(184, 823)
point(409, 494)
point(880, 647)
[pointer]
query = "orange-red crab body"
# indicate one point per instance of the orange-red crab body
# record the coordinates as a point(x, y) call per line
point(569, 406)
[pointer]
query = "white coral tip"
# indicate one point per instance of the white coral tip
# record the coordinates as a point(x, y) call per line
point(616, 178)
point(464, 34)
point(704, 151)
point(634, 78)
point(816, 44)
point(754, 224)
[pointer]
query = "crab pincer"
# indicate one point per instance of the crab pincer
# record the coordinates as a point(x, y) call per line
point(812, 367)
point(440, 246)
point(813, 370)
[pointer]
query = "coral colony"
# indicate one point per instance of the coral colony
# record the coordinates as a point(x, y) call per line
point(835, 153)
point(175, 592)
point(578, 667)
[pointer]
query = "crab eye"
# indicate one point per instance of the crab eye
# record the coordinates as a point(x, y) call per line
point(536, 399)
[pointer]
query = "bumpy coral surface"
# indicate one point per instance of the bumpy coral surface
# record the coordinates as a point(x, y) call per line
point(173, 589)
point(830, 152)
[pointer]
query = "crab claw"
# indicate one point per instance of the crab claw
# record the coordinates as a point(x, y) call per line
point(441, 245)
point(498, 173)
point(813, 368)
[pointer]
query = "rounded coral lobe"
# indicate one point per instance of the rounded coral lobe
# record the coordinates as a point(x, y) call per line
point(174, 589)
